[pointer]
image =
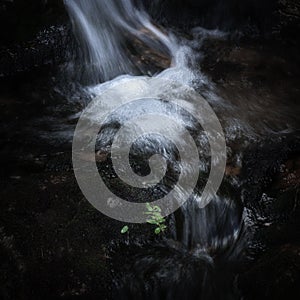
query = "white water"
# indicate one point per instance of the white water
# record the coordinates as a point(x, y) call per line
point(103, 29)
point(106, 28)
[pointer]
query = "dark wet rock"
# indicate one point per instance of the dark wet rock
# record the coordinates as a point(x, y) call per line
point(52, 234)
point(48, 48)
point(35, 35)
point(288, 13)
point(274, 276)
point(12, 268)
point(270, 209)
point(22, 20)
point(273, 216)
point(162, 272)
point(53, 244)
point(249, 16)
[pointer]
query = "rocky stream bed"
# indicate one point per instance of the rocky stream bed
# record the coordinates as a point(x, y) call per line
point(55, 245)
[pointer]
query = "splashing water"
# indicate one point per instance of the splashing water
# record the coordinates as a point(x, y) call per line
point(104, 29)
point(107, 31)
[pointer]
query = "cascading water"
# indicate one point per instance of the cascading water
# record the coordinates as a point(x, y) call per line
point(106, 29)
point(204, 238)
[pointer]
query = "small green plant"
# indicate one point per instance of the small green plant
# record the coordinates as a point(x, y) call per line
point(124, 229)
point(155, 218)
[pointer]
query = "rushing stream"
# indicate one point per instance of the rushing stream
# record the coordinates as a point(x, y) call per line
point(205, 245)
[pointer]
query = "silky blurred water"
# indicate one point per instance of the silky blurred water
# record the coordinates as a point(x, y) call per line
point(104, 30)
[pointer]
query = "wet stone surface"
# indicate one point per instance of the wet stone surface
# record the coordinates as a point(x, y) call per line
point(55, 245)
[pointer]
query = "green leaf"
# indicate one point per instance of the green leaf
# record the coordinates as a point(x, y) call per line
point(163, 227)
point(161, 220)
point(148, 206)
point(124, 229)
point(151, 221)
point(155, 217)
point(156, 208)
point(157, 230)
point(157, 214)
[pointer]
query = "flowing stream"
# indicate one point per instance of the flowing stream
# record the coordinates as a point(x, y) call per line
point(206, 242)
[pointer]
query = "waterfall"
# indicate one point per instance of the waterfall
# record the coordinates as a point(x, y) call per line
point(105, 31)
